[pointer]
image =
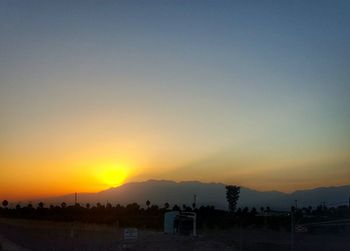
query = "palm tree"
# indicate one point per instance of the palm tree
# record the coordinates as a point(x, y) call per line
point(5, 203)
point(232, 196)
point(41, 205)
point(148, 203)
point(253, 211)
point(166, 205)
point(245, 211)
point(176, 208)
point(262, 209)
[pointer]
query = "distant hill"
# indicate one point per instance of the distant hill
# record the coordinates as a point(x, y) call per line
point(162, 191)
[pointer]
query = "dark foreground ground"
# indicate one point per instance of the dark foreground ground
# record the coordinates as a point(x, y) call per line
point(40, 235)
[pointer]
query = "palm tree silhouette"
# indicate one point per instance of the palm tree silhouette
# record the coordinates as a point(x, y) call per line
point(63, 204)
point(41, 205)
point(232, 196)
point(5, 203)
point(166, 205)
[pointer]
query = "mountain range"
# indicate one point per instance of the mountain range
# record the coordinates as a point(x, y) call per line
point(161, 191)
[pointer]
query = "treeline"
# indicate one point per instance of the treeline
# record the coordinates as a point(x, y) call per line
point(152, 216)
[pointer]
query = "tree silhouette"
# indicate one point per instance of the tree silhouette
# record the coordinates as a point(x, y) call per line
point(41, 205)
point(253, 211)
point(268, 210)
point(262, 210)
point(5, 203)
point(232, 196)
point(166, 205)
point(63, 205)
point(132, 215)
point(176, 208)
point(148, 203)
point(245, 211)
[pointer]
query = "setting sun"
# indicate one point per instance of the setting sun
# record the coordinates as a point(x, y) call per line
point(112, 174)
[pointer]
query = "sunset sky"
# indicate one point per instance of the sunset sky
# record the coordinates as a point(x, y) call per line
point(94, 94)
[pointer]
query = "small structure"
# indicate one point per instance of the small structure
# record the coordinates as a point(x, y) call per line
point(184, 223)
point(169, 222)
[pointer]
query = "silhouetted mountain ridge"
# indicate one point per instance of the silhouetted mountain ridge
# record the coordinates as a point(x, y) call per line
point(162, 191)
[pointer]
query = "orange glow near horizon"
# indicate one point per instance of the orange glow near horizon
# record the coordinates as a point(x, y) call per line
point(29, 178)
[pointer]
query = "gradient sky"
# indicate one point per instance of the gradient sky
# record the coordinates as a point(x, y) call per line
point(97, 93)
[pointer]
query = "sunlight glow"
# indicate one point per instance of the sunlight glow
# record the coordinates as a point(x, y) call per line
point(112, 175)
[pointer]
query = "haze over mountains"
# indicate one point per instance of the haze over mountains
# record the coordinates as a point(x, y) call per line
point(162, 191)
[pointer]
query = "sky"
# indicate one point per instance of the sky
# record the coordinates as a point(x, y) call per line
point(94, 94)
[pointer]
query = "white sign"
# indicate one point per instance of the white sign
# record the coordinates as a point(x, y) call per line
point(130, 234)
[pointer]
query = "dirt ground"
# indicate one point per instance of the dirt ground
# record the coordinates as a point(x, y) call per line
point(7, 245)
point(42, 235)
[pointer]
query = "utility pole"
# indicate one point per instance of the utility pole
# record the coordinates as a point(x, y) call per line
point(292, 228)
point(292, 231)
